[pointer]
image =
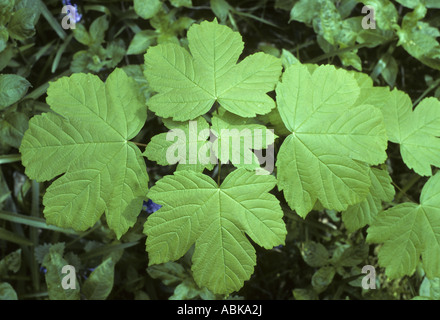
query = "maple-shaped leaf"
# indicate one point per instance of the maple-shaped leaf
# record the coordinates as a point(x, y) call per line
point(87, 140)
point(188, 84)
point(365, 212)
point(186, 143)
point(195, 210)
point(195, 145)
point(416, 131)
point(408, 231)
point(237, 139)
point(332, 140)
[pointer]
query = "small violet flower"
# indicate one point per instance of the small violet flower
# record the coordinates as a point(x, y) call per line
point(150, 206)
point(77, 15)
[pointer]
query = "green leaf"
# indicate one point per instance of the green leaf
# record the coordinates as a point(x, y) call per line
point(98, 28)
point(322, 278)
point(88, 141)
point(189, 84)
point(146, 9)
point(304, 11)
point(220, 8)
point(324, 157)
point(304, 294)
point(141, 41)
point(287, 58)
point(235, 141)
point(214, 218)
point(12, 89)
point(409, 3)
point(349, 256)
point(363, 213)
point(430, 289)
point(54, 264)
point(315, 254)
point(4, 36)
point(181, 3)
point(7, 292)
point(185, 143)
point(12, 262)
point(6, 8)
point(419, 38)
point(12, 127)
point(188, 289)
point(409, 231)
point(432, 4)
point(416, 131)
point(385, 13)
point(170, 273)
point(21, 25)
point(100, 282)
point(82, 35)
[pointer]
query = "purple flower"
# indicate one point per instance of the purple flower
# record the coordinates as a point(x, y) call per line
point(150, 206)
point(77, 16)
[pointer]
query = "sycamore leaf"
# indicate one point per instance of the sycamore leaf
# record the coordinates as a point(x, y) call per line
point(416, 131)
point(185, 143)
point(88, 141)
point(188, 84)
point(214, 218)
point(408, 231)
point(363, 213)
point(235, 140)
point(324, 158)
point(231, 139)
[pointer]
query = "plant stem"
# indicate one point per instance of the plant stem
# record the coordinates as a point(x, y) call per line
point(140, 144)
point(219, 171)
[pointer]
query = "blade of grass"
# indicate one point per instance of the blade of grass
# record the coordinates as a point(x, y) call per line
point(9, 158)
point(60, 52)
point(106, 249)
point(35, 222)
point(56, 26)
point(39, 91)
point(15, 238)
point(33, 234)
point(433, 85)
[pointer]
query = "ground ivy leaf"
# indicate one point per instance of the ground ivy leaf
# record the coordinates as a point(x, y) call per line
point(12, 89)
point(363, 213)
point(7, 292)
point(54, 263)
point(197, 211)
point(147, 9)
point(189, 84)
point(100, 282)
point(408, 231)
point(88, 141)
point(324, 157)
